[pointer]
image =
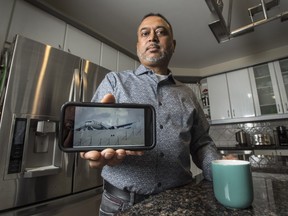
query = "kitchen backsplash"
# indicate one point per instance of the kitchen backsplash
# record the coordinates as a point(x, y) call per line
point(224, 135)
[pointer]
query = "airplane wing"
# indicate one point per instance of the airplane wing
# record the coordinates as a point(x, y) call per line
point(95, 125)
point(128, 125)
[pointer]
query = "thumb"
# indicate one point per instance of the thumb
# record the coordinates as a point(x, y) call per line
point(108, 98)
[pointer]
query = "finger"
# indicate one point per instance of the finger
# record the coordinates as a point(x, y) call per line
point(94, 159)
point(97, 164)
point(137, 153)
point(120, 154)
point(115, 160)
point(108, 153)
point(108, 98)
point(90, 155)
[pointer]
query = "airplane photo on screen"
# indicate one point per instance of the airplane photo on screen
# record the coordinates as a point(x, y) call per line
point(104, 126)
point(96, 125)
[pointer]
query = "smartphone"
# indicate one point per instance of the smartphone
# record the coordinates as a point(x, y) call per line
point(97, 126)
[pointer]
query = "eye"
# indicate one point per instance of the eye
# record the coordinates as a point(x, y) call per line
point(144, 33)
point(161, 31)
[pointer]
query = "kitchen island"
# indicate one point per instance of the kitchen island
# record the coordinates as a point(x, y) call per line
point(197, 198)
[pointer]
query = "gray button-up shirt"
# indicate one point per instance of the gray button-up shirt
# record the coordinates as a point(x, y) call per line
point(181, 129)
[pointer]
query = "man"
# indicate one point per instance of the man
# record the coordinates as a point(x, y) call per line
point(130, 176)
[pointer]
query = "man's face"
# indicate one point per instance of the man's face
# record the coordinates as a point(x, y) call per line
point(155, 44)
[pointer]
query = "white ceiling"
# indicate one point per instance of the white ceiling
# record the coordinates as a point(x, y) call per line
point(117, 20)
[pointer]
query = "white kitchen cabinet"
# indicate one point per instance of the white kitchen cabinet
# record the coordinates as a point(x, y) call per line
point(82, 45)
point(34, 23)
point(265, 89)
point(219, 97)
point(230, 95)
point(281, 69)
point(109, 57)
point(241, 98)
point(125, 62)
point(5, 13)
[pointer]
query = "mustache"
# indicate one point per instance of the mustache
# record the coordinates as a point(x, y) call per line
point(152, 45)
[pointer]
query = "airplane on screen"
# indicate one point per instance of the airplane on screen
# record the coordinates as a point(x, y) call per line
point(96, 125)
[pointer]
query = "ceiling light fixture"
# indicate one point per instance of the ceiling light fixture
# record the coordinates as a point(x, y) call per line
point(221, 28)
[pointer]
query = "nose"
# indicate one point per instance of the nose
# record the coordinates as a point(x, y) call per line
point(153, 36)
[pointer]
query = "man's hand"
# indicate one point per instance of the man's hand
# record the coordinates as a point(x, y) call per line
point(230, 157)
point(108, 156)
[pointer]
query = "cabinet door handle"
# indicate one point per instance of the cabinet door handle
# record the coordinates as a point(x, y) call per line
point(278, 108)
point(286, 107)
point(233, 112)
point(228, 113)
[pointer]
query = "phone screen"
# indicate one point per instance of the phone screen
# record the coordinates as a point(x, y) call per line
point(88, 126)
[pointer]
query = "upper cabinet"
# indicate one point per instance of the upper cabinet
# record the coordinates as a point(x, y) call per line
point(125, 62)
point(259, 92)
point(5, 15)
point(33, 23)
point(219, 97)
point(265, 89)
point(281, 68)
point(230, 95)
point(82, 45)
point(241, 98)
point(114, 60)
point(270, 87)
point(109, 57)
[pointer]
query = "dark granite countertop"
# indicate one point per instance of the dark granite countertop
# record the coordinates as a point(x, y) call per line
point(270, 198)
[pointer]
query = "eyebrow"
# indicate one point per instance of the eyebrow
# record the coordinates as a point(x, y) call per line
point(157, 27)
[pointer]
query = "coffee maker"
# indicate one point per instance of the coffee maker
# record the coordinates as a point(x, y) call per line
point(282, 135)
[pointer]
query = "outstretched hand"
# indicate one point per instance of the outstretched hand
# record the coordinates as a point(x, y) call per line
point(108, 156)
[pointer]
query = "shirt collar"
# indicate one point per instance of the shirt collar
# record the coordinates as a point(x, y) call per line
point(142, 70)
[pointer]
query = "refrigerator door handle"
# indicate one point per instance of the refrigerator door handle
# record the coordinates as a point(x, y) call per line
point(41, 171)
point(3, 76)
point(84, 87)
point(74, 94)
point(76, 159)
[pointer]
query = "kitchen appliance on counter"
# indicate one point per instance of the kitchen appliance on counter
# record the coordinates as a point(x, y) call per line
point(282, 136)
point(262, 139)
point(36, 80)
point(241, 138)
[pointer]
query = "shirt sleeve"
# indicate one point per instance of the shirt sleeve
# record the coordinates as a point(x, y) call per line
point(202, 147)
point(105, 87)
point(204, 156)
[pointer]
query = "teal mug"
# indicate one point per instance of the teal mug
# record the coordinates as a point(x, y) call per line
point(232, 183)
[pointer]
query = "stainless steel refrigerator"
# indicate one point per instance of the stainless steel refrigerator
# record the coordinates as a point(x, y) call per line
point(36, 80)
